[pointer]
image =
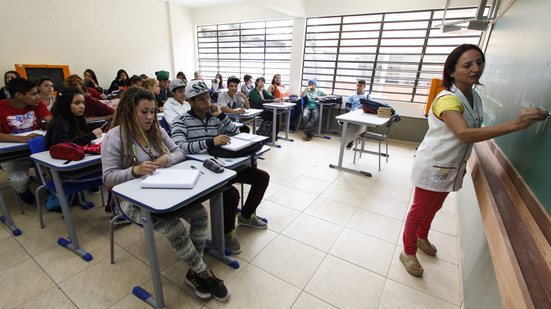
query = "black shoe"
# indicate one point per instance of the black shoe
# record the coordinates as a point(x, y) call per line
point(217, 288)
point(27, 197)
point(198, 284)
point(349, 145)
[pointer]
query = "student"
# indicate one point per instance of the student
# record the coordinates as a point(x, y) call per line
point(182, 77)
point(136, 147)
point(135, 81)
point(247, 86)
point(91, 81)
point(440, 162)
point(120, 82)
point(74, 80)
point(257, 97)
point(164, 92)
point(176, 106)
point(152, 84)
point(22, 112)
point(311, 110)
point(234, 102)
point(94, 108)
point(45, 87)
point(69, 124)
point(216, 87)
point(277, 89)
point(206, 126)
point(353, 103)
point(197, 75)
point(4, 93)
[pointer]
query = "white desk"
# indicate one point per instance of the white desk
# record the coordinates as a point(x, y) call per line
point(229, 163)
point(173, 199)
point(283, 108)
point(251, 113)
point(361, 118)
point(89, 165)
point(322, 105)
point(8, 152)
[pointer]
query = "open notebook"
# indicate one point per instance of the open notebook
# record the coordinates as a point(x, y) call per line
point(243, 140)
point(171, 179)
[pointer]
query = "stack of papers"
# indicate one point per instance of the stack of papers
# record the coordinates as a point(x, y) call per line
point(243, 140)
point(171, 179)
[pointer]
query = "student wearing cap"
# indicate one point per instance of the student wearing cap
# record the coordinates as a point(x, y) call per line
point(176, 106)
point(164, 94)
point(311, 108)
point(206, 126)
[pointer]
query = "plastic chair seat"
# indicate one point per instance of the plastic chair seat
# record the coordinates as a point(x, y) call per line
point(373, 136)
point(70, 187)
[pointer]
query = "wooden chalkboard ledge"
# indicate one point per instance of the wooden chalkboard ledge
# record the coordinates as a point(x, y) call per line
point(518, 229)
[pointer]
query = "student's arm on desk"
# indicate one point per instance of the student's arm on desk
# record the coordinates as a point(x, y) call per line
point(7, 138)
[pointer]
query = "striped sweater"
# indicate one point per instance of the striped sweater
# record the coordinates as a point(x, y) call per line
point(193, 134)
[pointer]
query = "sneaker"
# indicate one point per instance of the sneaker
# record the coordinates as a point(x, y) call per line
point(253, 222)
point(231, 242)
point(27, 197)
point(349, 145)
point(198, 284)
point(217, 288)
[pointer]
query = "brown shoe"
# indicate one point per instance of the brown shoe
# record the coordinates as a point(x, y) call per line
point(426, 246)
point(411, 264)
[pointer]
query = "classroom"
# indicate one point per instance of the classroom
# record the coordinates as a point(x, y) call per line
point(328, 191)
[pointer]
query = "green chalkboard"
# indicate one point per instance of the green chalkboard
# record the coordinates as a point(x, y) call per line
point(517, 75)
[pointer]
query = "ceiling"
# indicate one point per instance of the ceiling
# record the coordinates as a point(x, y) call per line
point(203, 3)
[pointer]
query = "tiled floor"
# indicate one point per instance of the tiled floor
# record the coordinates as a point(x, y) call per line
point(333, 242)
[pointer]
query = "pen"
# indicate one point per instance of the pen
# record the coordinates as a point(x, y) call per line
point(194, 168)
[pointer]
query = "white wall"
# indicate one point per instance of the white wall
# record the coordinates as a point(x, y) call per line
point(103, 35)
point(183, 40)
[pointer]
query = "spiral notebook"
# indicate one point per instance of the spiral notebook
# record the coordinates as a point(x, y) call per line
point(171, 179)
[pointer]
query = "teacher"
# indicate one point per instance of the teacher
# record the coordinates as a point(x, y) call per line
point(441, 159)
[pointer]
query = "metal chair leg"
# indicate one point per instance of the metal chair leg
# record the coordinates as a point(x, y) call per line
point(379, 156)
point(355, 149)
point(38, 206)
point(386, 140)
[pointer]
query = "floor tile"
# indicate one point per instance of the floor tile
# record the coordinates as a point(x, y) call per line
point(446, 223)
point(330, 210)
point(292, 198)
point(309, 185)
point(104, 284)
point(51, 298)
point(26, 275)
point(368, 252)
point(344, 285)
point(447, 246)
point(254, 288)
point(307, 301)
point(355, 181)
point(345, 194)
point(173, 298)
point(396, 295)
point(314, 232)
point(289, 260)
point(384, 206)
point(11, 253)
point(61, 263)
point(395, 192)
point(165, 253)
point(440, 278)
point(278, 217)
point(322, 173)
point(253, 241)
point(375, 225)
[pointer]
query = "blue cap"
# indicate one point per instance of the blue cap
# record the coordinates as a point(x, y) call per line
point(313, 81)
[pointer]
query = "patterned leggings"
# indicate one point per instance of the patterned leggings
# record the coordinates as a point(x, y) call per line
point(187, 246)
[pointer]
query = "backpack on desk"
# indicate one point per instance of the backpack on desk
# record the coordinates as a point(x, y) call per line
point(67, 151)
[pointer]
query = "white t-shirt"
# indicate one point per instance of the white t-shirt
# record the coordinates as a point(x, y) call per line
point(224, 99)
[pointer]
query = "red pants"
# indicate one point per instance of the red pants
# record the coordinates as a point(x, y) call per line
point(425, 205)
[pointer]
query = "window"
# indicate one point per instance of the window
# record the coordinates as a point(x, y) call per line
point(255, 48)
point(396, 53)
